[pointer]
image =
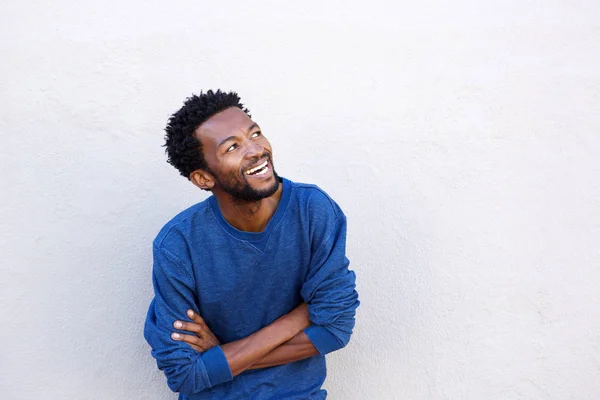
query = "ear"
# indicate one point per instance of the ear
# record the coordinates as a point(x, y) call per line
point(202, 179)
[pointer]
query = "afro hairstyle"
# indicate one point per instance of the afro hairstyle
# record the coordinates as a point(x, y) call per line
point(183, 149)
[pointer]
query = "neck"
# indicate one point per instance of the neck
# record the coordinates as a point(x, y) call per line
point(249, 216)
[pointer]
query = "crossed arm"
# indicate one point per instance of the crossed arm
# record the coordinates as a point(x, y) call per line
point(322, 326)
point(281, 342)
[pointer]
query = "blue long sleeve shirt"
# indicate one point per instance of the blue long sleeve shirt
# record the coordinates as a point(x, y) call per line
point(240, 282)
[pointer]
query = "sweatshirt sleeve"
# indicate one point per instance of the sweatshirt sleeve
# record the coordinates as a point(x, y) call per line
point(329, 291)
point(187, 370)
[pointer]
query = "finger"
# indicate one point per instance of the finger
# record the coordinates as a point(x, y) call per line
point(189, 339)
point(195, 317)
point(188, 326)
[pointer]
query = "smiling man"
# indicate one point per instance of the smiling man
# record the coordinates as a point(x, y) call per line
point(252, 286)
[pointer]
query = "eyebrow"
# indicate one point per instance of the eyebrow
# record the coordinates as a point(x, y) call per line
point(254, 125)
point(225, 140)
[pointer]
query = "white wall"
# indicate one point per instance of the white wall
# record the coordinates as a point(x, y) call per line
point(462, 140)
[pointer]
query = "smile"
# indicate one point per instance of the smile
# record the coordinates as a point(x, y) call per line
point(259, 170)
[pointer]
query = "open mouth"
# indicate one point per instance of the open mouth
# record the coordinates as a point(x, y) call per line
point(259, 169)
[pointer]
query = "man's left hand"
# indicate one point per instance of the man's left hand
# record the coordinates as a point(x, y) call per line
point(202, 338)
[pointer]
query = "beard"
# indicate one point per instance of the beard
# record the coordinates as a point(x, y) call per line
point(242, 190)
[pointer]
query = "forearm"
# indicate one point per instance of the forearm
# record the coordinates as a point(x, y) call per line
point(243, 353)
point(296, 349)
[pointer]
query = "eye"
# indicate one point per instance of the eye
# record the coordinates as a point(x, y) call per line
point(231, 148)
point(256, 134)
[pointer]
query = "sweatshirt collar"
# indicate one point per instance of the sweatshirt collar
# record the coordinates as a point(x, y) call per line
point(273, 222)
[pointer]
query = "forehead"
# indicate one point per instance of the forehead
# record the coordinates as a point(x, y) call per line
point(229, 122)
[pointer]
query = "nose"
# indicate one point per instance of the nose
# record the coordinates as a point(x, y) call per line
point(254, 150)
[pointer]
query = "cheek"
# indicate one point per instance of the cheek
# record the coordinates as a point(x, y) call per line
point(266, 144)
point(229, 165)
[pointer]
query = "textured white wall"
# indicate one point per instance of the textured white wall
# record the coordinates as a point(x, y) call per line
point(462, 140)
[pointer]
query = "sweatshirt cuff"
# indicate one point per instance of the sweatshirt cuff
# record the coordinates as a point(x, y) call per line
point(217, 366)
point(323, 340)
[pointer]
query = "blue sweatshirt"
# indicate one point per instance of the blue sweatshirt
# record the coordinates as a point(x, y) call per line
point(240, 282)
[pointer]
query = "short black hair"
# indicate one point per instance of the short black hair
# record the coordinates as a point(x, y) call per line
point(184, 150)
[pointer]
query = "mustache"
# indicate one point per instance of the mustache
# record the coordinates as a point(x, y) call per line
point(254, 160)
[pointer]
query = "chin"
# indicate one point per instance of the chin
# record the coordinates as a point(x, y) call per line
point(269, 185)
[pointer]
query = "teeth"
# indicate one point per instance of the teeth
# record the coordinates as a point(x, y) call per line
point(264, 171)
point(248, 172)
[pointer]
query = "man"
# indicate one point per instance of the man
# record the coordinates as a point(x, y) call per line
point(252, 286)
